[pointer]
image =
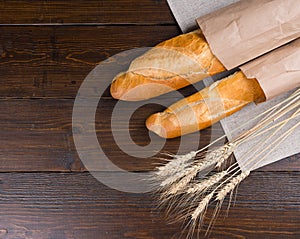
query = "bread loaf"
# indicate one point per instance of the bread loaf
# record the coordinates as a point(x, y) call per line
point(206, 107)
point(169, 66)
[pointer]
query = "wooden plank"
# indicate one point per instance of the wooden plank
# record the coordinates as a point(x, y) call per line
point(40, 205)
point(41, 130)
point(88, 11)
point(53, 61)
point(36, 135)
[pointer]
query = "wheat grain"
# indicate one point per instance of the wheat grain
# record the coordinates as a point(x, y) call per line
point(176, 177)
point(202, 207)
point(207, 183)
point(226, 152)
point(189, 174)
point(183, 177)
point(231, 185)
point(177, 164)
point(183, 170)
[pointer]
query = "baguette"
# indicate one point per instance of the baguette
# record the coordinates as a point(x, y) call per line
point(171, 65)
point(206, 107)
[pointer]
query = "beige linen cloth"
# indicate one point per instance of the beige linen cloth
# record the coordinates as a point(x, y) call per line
point(186, 12)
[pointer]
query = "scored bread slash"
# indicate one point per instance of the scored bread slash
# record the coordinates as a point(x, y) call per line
point(206, 107)
point(171, 65)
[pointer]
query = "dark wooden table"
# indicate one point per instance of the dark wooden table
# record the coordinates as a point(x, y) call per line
point(46, 50)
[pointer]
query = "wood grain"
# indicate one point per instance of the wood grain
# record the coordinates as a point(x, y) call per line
point(52, 61)
point(87, 11)
point(47, 48)
point(41, 205)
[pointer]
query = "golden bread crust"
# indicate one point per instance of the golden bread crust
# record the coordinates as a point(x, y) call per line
point(171, 65)
point(206, 107)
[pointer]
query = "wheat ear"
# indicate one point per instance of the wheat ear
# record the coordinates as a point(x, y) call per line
point(184, 178)
point(231, 185)
point(200, 210)
point(178, 163)
point(204, 185)
point(180, 180)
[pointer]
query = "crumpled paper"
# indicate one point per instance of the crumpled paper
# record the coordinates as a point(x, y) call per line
point(186, 14)
point(250, 28)
point(278, 71)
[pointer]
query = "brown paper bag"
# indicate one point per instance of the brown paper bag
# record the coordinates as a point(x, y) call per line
point(248, 29)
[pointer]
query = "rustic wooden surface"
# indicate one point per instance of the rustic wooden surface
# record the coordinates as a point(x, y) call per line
point(46, 50)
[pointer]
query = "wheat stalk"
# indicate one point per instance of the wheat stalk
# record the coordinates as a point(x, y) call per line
point(177, 164)
point(206, 184)
point(228, 150)
point(220, 155)
point(231, 185)
point(185, 177)
point(201, 207)
point(181, 179)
